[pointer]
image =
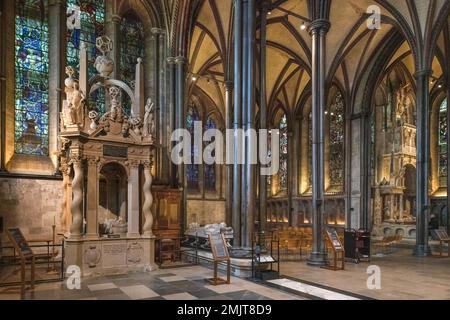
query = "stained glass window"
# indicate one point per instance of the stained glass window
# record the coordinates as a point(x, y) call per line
point(85, 23)
point(192, 170)
point(210, 170)
point(336, 117)
point(132, 47)
point(31, 81)
point(283, 171)
point(443, 131)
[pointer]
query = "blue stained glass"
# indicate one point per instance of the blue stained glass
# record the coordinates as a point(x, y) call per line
point(132, 47)
point(442, 144)
point(31, 82)
point(283, 170)
point(91, 26)
point(192, 170)
point(210, 170)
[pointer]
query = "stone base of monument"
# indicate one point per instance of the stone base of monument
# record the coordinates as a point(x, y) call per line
point(241, 268)
point(407, 231)
point(96, 257)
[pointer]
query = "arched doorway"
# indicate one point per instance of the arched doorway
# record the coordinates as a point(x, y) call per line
point(113, 197)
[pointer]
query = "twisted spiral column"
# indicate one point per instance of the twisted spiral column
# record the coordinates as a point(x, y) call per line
point(77, 202)
point(148, 200)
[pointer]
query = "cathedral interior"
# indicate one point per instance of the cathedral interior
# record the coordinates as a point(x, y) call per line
point(356, 91)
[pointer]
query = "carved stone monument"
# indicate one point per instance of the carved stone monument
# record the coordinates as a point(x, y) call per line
point(102, 158)
point(393, 201)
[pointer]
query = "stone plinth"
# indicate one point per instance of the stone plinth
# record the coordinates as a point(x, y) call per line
point(111, 256)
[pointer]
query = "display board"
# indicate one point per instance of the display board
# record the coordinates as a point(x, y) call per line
point(16, 236)
point(334, 240)
point(219, 247)
point(439, 235)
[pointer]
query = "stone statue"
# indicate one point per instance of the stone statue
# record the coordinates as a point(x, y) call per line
point(76, 105)
point(75, 100)
point(149, 119)
point(404, 105)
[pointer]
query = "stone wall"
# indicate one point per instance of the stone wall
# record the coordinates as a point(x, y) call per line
point(31, 205)
point(205, 211)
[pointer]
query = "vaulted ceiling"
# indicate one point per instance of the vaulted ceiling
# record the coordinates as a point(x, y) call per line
point(350, 46)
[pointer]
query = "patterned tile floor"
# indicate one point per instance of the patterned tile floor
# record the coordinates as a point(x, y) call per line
point(174, 284)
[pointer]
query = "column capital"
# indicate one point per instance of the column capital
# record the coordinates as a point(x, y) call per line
point(319, 25)
point(423, 73)
point(265, 5)
point(180, 60)
point(156, 31)
point(170, 60)
point(229, 85)
point(115, 18)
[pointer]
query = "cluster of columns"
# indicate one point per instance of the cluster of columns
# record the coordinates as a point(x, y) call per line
point(244, 186)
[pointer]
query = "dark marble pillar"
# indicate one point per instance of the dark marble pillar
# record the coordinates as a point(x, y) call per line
point(318, 30)
point(423, 208)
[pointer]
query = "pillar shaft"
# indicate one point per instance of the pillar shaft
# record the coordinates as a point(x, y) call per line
point(422, 247)
point(250, 109)
point(263, 112)
point(2, 89)
point(180, 124)
point(133, 200)
point(229, 167)
point(318, 30)
point(77, 201)
point(92, 199)
point(172, 113)
point(56, 25)
point(148, 201)
point(236, 216)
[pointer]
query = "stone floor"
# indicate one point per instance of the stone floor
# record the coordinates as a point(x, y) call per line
point(168, 284)
point(403, 277)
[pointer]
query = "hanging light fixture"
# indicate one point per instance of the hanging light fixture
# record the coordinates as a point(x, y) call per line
point(303, 26)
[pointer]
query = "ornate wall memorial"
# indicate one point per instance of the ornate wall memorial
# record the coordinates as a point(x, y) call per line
point(106, 161)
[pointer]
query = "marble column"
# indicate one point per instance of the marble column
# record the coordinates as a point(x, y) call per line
point(148, 201)
point(237, 168)
point(250, 109)
point(229, 167)
point(133, 200)
point(77, 200)
point(422, 248)
point(2, 89)
point(159, 116)
point(318, 30)
point(57, 27)
point(92, 199)
point(180, 124)
point(263, 110)
point(172, 112)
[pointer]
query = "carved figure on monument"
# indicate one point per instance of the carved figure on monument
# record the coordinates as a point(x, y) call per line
point(73, 113)
point(149, 119)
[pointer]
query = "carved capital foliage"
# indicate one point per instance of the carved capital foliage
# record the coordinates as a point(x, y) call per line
point(148, 164)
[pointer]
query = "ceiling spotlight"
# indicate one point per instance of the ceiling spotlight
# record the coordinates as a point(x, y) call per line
point(194, 78)
point(440, 86)
point(303, 26)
